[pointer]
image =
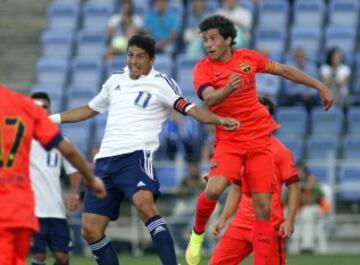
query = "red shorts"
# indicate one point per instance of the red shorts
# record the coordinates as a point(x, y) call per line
point(236, 244)
point(15, 244)
point(254, 157)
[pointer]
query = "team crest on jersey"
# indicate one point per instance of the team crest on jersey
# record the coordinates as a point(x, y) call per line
point(245, 67)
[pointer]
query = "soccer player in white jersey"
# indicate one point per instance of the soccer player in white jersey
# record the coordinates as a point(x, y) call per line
point(45, 171)
point(138, 99)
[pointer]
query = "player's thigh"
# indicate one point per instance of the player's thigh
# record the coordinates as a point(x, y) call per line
point(39, 240)
point(233, 247)
point(260, 170)
point(227, 161)
point(94, 226)
point(59, 236)
point(22, 245)
point(278, 253)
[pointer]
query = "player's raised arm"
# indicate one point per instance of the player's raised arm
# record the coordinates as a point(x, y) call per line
point(298, 76)
point(206, 116)
point(73, 156)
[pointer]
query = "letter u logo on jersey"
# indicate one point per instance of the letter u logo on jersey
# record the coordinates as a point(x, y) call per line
point(142, 99)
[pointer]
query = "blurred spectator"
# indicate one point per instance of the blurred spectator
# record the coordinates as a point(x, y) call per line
point(242, 18)
point(163, 25)
point(193, 42)
point(336, 75)
point(182, 215)
point(268, 85)
point(312, 212)
point(121, 27)
point(299, 94)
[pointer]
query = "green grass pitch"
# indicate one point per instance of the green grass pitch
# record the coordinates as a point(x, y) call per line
point(292, 260)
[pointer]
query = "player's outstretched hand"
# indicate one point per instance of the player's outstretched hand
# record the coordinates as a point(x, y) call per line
point(234, 82)
point(97, 187)
point(229, 124)
point(219, 225)
point(327, 97)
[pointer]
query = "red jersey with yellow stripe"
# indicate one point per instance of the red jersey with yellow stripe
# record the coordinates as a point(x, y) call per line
point(20, 121)
point(285, 173)
point(243, 103)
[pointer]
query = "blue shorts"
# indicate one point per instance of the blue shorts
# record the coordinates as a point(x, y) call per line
point(54, 233)
point(123, 175)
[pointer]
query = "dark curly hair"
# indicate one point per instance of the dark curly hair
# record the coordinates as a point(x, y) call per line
point(225, 26)
point(144, 42)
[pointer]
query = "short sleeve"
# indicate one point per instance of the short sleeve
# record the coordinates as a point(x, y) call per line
point(202, 78)
point(287, 168)
point(263, 63)
point(171, 95)
point(45, 131)
point(101, 102)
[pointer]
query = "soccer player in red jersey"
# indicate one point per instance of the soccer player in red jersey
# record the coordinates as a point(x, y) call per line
point(21, 121)
point(225, 81)
point(236, 243)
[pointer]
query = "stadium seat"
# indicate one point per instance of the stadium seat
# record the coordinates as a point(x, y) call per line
point(351, 147)
point(273, 14)
point(272, 40)
point(63, 15)
point(77, 97)
point(293, 120)
point(342, 37)
point(309, 13)
point(184, 76)
point(52, 71)
point(320, 172)
point(353, 120)
point(322, 147)
point(349, 184)
point(167, 178)
point(164, 64)
point(306, 37)
point(55, 93)
point(57, 43)
point(115, 64)
point(87, 71)
point(344, 12)
point(327, 123)
point(79, 134)
point(97, 14)
point(296, 145)
point(91, 44)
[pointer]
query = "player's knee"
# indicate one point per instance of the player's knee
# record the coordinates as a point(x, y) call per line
point(39, 258)
point(146, 210)
point(213, 193)
point(62, 259)
point(91, 234)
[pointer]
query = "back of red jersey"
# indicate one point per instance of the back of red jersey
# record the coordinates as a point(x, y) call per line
point(20, 121)
point(286, 173)
point(243, 103)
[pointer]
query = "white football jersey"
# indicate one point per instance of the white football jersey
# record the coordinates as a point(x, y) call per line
point(45, 170)
point(137, 110)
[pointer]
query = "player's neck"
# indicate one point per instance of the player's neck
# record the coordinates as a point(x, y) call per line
point(226, 57)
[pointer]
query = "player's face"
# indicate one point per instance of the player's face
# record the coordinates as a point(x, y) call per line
point(139, 62)
point(43, 103)
point(216, 46)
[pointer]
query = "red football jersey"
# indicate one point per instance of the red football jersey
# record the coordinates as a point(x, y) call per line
point(243, 103)
point(285, 173)
point(20, 121)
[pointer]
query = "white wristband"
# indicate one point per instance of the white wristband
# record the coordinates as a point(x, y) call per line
point(55, 118)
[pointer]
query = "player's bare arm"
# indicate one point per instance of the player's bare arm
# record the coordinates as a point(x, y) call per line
point(72, 200)
point(73, 156)
point(287, 228)
point(231, 205)
point(206, 116)
point(214, 96)
point(298, 76)
point(74, 115)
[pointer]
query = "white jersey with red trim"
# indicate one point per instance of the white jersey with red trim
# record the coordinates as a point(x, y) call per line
point(137, 109)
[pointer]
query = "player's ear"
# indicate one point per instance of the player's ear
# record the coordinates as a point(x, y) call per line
point(229, 41)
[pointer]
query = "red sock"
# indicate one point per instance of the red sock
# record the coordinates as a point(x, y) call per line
point(263, 238)
point(204, 209)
